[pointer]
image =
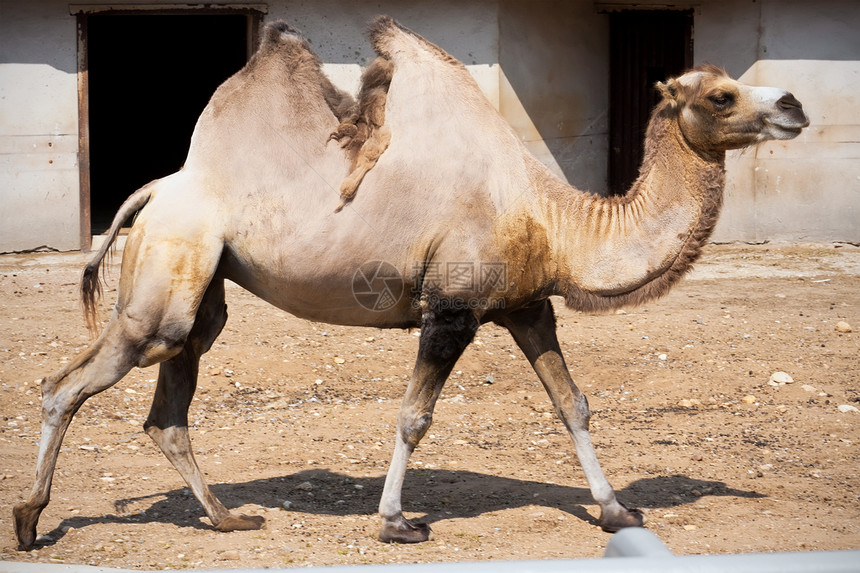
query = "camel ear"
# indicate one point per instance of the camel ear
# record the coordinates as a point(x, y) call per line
point(671, 92)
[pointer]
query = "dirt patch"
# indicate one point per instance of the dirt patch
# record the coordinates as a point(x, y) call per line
point(297, 414)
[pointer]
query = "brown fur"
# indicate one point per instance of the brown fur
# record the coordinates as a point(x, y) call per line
point(284, 42)
point(384, 28)
point(362, 130)
point(712, 180)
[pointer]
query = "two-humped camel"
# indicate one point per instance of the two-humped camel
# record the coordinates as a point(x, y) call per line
point(258, 199)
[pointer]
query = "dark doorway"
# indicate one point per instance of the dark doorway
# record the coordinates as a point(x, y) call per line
point(645, 47)
point(149, 77)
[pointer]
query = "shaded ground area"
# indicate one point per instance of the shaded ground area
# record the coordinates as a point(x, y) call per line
point(297, 414)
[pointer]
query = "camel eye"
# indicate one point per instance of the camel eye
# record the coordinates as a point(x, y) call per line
point(721, 100)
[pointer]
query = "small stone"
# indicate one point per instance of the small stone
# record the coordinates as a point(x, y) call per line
point(748, 399)
point(780, 378)
point(843, 326)
point(685, 404)
point(339, 360)
point(286, 504)
point(230, 555)
point(460, 442)
point(305, 486)
point(782, 409)
point(808, 388)
point(845, 408)
point(663, 357)
point(696, 457)
point(690, 528)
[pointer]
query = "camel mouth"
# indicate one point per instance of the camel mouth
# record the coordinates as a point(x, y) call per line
point(785, 131)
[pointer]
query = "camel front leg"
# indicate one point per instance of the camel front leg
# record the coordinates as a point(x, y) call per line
point(444, 336)
point(533, 330)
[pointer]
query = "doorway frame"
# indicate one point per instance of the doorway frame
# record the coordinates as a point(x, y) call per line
point(618, 166)
point(254, 15)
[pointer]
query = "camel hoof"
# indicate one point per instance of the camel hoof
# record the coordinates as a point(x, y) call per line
point(403, 531)
point(241, 523)
point(25, 519)
point(620, 516)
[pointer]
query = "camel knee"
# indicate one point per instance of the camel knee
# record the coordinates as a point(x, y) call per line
point(583, 414)
point(173, 441)
point(413, 426)
point(576, 414)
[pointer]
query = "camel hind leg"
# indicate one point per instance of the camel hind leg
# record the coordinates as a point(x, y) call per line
point(163, 281)
point(63, 393)
point(167, 423)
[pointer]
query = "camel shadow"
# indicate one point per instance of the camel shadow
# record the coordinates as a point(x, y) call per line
point(434, 495)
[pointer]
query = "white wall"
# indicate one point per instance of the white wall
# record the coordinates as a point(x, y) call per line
point(555, 85)
point(39, 198)
point(807, 188)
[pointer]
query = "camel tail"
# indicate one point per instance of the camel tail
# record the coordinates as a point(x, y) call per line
point(91, 288)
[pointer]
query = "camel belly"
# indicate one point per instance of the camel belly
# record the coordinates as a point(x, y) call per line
point(375, 294)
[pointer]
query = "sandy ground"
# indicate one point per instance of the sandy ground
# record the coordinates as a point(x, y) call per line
point(297, 414)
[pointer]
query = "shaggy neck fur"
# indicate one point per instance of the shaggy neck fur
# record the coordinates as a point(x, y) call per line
point(622, 251)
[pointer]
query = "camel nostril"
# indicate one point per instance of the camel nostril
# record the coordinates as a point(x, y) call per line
point(788, 101)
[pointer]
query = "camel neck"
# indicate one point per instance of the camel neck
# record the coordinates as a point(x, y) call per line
point(621, 251)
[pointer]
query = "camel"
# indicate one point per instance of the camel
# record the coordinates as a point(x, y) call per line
point(444, 212)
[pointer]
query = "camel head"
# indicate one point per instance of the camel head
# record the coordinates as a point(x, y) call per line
point(717, 113)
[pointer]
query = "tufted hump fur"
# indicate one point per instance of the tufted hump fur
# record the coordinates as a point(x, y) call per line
point(282, 40)
point(390, 39)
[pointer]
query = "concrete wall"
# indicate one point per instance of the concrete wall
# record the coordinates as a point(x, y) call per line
point(808, 188)
point(39, 197)
point(544, 64)
point(555, 85)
